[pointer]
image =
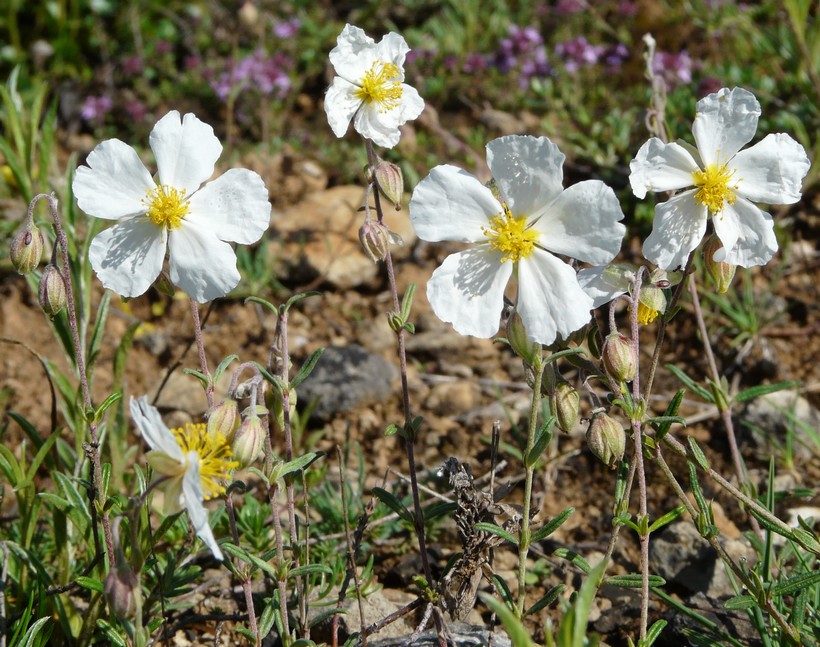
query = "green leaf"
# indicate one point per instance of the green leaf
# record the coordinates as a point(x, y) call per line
point(198, 375)
point(245, 556)
point(442, 509)
point(794, 584)
point(574, 558)
point(503, 590)
point(497, 531)
point(764, 389)
point(698, 454)
point(542, 438)
point(553, 525)
point(564, 353)
point(550, 597)
point(299, 463)
point(519, 636)
point(111, 399)
point(807, 540)
point(298, 297)
point(311, 569)
point(690, 383)
point(99, 330)
point(407, 301)
point(40, 457)
point(740, 603)
point(669, 517)
point(633, 580)
point(34, 631)
point(661, 425)
point(390, 500)
point(307, 368)
point(654, 632)
point(223, 365)
point(89, 583)
point(263, 302)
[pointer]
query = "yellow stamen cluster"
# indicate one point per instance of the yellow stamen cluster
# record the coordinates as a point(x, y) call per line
point(166, 206)
point(381, 85)
point(714, 189)
point(214, 453)
point(510, 236)
point(646, 314)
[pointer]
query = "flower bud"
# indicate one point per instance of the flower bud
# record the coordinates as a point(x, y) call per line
point(121, 589)
point(52, 293)
point(390, 181)
point(651, 303)
point(619, 357)
point(374, 237)
point(279, 411)
point(27, 249)
point(564, 402)
point(720, 272)
point(247, 441)
point(224, 419)
point(606, 439)
point(163, 284)
point(520, 343)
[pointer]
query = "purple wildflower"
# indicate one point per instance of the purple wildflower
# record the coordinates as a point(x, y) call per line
point(578, 53)
point(94, 109)
point(287, 28)
point(674, 69)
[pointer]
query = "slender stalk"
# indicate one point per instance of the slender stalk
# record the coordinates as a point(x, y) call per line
point(95, 494)
point(409, 435)
point(246, 579)
point(524, 537)
point(203, 359)
point(280, 559)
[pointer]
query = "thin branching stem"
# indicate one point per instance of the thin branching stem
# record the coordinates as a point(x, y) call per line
point(203, 359)
point(246, 578)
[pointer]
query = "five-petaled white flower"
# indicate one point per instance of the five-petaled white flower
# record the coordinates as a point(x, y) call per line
point(193, 223)
point(370, 88)
point(533, 220)
point(725, 180)
point(194, 463)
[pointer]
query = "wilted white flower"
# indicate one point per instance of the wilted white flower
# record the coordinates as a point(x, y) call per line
point(370, 87)
point(194, 222)
point(195, 463)
point(521, 233)
point(725, 182)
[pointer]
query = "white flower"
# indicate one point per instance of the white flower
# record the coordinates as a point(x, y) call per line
point(175, 213)
point(194, 463)
point(534, 220)
point(370, 87)
point(725, 180)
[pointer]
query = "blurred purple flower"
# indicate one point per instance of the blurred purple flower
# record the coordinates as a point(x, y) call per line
point(132, 65)
point(578, 52)
point(267, 75)
point(569, 7)
point(674, 69)
point(616, 55)
point(94, 109)
point(522, 49)
point(163, 47)
point(192, 62)
point(419, 55)
point(287, 28)
point(136, 110)
point(475, 63)
point(627, 9)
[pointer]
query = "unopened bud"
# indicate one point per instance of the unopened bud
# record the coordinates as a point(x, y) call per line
point(651, 303)
point(224, 419)
point(121, 589)
point(390, 181)
point(375, 240)
point(52, 293)
point(720, 272)
point(279, 411)
point(247, 441)
point(27, 249)
point(517, 336)
point(564, 402)
point(606, 439)
point(619, 357)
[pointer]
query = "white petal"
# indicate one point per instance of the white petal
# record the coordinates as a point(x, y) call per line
point(128, 256)
point(772, 170)
point(725, 122)
point(354, 53)
point(186, 151)
point(393, 48)
point(550, 300)
point(192, 491)
point(201, 265)
point(412, 105)
point(468, 290)
point(451, 204)
point(382, 128)
point(115, 184)
point(153, 429)
point(747, 234)
point(340, 105)
point(527, 170)
point(678, 228)
point(583, 222)
point(602, 284)
point(235, 207)
point(661, 167)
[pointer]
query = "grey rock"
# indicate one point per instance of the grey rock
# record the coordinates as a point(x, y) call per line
point(682, 557)
point(347, 377)
point(462, 635)
point(767, 420)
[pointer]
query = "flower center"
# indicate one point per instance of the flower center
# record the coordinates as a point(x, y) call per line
point(166, 206)
point(646, 314)
point(714, 186)
point(381, 85)
point(214, 454)
point(510, 236)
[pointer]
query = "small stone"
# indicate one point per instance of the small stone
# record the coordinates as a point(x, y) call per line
point(451, 398)
point(767, 420)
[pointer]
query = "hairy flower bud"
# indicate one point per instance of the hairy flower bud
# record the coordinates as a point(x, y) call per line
point(375, 239)
point(247, 441)
point(52, 293)
point(27, 249)
point(390, 181)
point(620, 359)
point(224, 419)
point(564, 402)
point(520, 343)
point(606, 439)
point(720, 272)
point(121, 588)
